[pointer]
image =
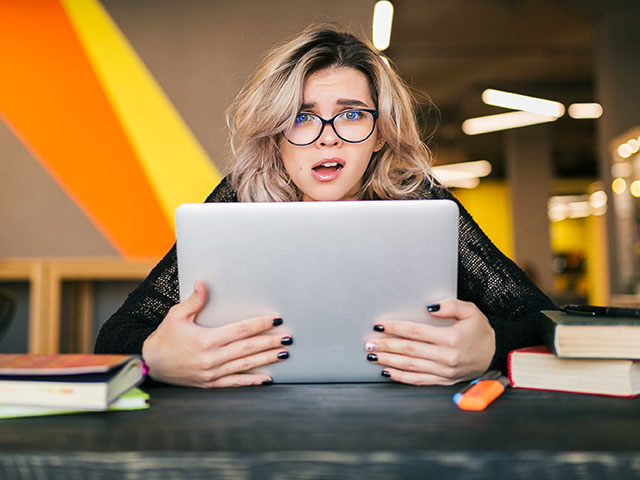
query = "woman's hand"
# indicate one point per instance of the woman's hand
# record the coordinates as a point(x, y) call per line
point(183, 353)
point(422, 354)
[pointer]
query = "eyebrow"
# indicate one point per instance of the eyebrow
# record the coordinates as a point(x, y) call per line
point(345, 102)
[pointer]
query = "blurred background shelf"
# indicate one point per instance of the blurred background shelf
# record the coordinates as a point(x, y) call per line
point(48, 330)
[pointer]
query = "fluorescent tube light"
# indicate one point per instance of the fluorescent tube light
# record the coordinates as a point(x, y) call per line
point(463, 174)
point(585, 110)
point(477, 168)
point(469, 183)
point(382, 20)
point(525, 103)
point(562, 207)
point(503, 121)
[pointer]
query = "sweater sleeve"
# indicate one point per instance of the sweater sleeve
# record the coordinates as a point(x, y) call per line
point(498, 287)
point(143, 310)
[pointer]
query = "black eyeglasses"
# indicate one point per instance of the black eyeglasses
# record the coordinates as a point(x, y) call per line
point(353, 126)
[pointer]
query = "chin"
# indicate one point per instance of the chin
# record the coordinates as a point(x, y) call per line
point(325, 195)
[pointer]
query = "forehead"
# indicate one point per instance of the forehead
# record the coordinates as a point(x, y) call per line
point(337, 83)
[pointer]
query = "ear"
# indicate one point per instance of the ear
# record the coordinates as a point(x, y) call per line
point(378, 146)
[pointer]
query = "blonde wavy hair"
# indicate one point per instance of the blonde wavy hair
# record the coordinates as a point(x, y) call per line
point(271, 99)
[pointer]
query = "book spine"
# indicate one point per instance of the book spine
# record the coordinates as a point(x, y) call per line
point(546, 328)
point(509, 367)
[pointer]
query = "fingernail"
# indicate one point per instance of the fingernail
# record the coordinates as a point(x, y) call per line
point(372, 357)
point(283, 355)
point(378, 328)
point(385, 374)
point(370, 347)
point(268, 382)
point(286, 341)
point(434, 307)
point(276, 322)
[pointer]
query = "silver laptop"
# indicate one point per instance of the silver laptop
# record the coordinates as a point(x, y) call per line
point(331, 270)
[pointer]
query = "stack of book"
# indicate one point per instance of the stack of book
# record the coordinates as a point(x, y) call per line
point(34, 385)
point(582, 354)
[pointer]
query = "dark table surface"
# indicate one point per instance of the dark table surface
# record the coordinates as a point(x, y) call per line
point(332, 431)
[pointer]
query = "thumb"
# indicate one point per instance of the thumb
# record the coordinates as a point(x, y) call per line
point(196, 300)
point(453, 308)
point(447, 309)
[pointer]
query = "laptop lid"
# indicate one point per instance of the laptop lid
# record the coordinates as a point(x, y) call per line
point(331, 270)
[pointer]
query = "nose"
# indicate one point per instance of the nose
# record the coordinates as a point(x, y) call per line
point(328, 137)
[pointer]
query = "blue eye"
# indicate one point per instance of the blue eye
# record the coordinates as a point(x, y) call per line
point(353, 115)
point(303, 118)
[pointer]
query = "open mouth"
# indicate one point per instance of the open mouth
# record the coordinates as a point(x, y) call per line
point(328, 167)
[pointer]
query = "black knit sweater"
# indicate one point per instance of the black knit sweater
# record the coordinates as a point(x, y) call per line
point(500, 289)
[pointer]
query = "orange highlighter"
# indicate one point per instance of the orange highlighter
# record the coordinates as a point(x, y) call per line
point(481, 391)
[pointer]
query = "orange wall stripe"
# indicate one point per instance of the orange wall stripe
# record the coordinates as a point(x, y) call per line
point(52, 100)
point(155, 129)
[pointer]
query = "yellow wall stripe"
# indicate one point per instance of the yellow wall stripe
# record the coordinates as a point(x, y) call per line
point(52, 101)
point(177, 167)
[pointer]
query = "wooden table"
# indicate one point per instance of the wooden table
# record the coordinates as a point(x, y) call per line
point(45, 277)
point(365, 431)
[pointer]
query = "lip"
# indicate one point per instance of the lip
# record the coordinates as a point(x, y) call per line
point(327, 177)
point(328, 160)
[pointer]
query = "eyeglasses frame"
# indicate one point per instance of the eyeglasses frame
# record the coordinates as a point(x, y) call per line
point(330, 122)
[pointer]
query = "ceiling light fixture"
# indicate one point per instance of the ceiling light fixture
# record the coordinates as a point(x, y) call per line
point(382, 20)
point(515, 101)
point(598, 202)
point(463, 174)
point(585, 110)
point(562, 207)
point(503, 121)
point(624, 151)
point(618, 186)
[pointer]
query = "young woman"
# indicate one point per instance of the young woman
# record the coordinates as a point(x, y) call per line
point(326, 118)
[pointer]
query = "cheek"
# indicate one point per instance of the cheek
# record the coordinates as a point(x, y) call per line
point(292, 158)
point(366, 154)
point(285, 155)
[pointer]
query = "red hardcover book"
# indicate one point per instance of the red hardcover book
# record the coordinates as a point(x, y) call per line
point(538, 368)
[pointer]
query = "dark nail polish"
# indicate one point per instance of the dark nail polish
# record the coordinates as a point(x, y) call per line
point(385, 374)
point(276, 322)
point(372, 357)
point(286, 341)
point(283, 355)
point(378, 328)
point(434, 307)
point(268, 382)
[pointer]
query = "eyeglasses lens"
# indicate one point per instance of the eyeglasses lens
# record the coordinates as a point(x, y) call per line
point(351, 125)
